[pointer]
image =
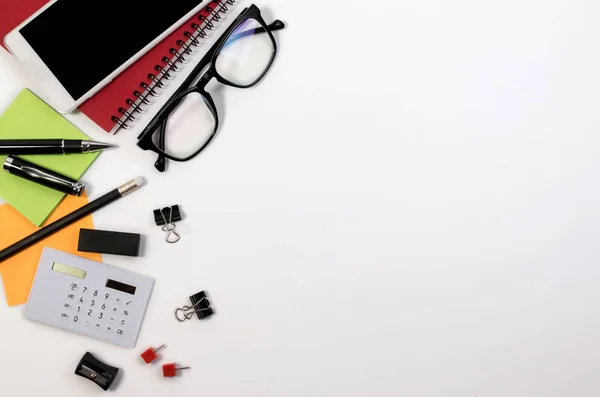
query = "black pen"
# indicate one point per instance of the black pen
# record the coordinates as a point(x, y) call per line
point(50, 146)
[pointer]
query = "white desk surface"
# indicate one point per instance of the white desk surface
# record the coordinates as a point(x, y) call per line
point(408, 205)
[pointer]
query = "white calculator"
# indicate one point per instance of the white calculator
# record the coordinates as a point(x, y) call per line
point(88, 297)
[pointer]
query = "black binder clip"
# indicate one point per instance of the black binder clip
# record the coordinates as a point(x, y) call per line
point(166, 217)
point(200, 305)
point(96, 371)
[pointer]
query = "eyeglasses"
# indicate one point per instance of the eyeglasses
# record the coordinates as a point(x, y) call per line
point(241, 58)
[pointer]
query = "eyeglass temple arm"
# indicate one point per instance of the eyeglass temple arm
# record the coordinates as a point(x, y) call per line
point(160, 164)
point(276, 25)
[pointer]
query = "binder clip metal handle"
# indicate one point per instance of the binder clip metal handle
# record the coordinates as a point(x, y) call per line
point(166, 217)
point(170, 229)
point(201, 306)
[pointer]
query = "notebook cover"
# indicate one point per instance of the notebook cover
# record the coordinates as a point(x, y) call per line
point(28, 117)
point(13, 12)
point(103, 106)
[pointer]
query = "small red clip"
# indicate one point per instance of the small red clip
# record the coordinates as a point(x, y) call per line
point(150, 355)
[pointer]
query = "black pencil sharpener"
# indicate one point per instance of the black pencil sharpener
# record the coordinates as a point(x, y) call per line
point(96, 371)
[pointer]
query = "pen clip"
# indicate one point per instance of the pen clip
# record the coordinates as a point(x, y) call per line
point(38, 174)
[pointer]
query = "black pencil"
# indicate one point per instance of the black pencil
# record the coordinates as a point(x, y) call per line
point(74, 216)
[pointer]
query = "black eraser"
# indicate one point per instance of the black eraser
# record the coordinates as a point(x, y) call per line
point(107, 242)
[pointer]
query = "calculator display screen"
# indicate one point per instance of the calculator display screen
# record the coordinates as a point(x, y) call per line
point(119, 286)
point(71, 271)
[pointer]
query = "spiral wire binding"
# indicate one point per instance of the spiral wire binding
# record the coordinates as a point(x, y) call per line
point(171, 64)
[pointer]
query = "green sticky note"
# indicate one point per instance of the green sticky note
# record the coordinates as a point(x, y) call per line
point(28, 117)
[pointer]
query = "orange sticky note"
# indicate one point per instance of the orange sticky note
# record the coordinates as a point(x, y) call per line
point(19, 271)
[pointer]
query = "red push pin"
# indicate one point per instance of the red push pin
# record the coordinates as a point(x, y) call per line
point(150, 355)
point(170, 370)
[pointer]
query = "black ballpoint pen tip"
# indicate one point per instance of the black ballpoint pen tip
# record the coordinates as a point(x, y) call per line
point(97, 146)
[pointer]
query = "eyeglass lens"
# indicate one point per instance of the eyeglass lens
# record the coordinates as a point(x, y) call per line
point(189, 127)
point(242, 61)
point(246, 54)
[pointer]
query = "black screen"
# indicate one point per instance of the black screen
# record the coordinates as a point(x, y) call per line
point(84, 41)
point(119, 286)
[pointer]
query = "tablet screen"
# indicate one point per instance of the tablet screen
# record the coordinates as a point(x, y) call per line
point(82, 42)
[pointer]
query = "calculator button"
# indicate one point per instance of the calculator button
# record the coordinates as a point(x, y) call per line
point(76, 319)
point(114, 309)
point(85, 289)
point(106, 296)
point(118, 300)
point(126, 313)
point(89, 312)
point(128, 303)
point(122, 322)
point(73, 287)
point(67, 306)
point(70, 296)
point(64, 316)
point(95, 292)
point(81, 300)
point(111, 320)
point(108, 328)
point(120, 332)
point(87, 323)
point(98, 325)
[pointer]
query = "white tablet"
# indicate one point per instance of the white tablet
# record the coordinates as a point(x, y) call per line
point(73, 48)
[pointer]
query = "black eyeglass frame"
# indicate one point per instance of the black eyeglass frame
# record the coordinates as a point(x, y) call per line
point(159, 122)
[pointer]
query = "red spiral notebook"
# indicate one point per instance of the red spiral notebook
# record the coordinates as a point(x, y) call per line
point(114, 106)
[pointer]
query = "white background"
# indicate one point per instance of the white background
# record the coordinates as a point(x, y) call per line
point(408, 205)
